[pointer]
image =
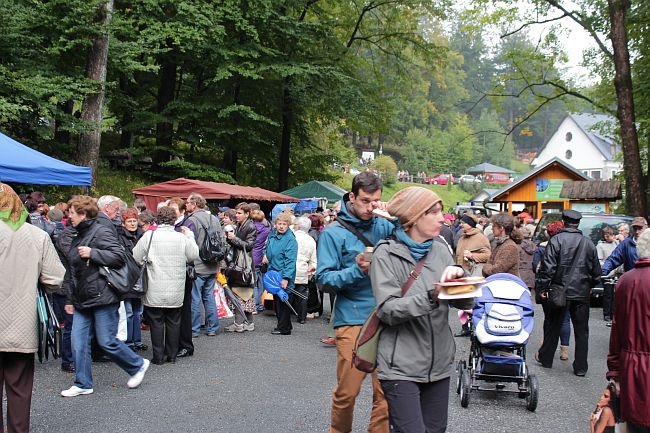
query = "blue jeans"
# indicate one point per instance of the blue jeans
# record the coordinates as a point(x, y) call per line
point(203, 290)
point(258, 289)
point(133, 307)
point(65, 319)
point(103, 322)
point(565, 331)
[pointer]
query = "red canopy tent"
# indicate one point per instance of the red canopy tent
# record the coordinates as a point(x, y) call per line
point(181, 187)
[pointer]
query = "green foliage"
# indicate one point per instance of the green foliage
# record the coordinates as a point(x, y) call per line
point(179, 168)
point(387, 169)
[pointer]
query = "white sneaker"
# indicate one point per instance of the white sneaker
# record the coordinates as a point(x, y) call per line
point(235, 328)
point(249, 326)
point(75, 391)
point(136, 379)
point(311, 315)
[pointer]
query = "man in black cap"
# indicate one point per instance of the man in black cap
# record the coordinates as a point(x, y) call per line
point(569, 265)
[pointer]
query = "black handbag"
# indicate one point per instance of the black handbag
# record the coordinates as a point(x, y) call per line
point(122, 279)
point(141, 286)
point(240, 272)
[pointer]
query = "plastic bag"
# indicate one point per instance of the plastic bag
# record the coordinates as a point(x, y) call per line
point(223, 311)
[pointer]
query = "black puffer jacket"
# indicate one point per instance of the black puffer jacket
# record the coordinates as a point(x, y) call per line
point(87, 288)
point(560, 257)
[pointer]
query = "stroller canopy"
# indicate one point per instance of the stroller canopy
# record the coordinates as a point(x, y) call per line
point(504, 313)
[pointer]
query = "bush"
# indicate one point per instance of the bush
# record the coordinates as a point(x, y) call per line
point(386, 167)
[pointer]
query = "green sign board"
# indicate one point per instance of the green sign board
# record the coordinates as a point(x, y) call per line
point(548, 189)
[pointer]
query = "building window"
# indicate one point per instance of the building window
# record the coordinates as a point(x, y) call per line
point(568, 154)
point(595, 174)
point(568, 136)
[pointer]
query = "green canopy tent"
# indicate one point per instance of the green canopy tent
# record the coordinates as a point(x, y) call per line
point(318, 189)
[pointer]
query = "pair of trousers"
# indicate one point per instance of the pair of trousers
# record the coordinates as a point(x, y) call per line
point(565, 330)
point(133, 307)
point(203, 291)
point(258, 289)
point(417, 407)
point(283, 314)
point(17, 380)
point(103, 320)
point(165, 329)
point(185, 335)
point(579, 311)
point(348, 385)
point(299, 303)
point(65, 319)
point(608, 300)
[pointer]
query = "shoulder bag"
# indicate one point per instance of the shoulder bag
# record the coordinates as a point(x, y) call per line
point(240, 272)
point(364, 355)
point(123, 280)
point(140, 287)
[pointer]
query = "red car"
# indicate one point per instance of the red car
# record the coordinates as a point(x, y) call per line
point(440, 179)
point(497, 178)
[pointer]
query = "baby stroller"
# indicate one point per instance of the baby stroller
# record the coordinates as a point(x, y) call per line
point(502, 323)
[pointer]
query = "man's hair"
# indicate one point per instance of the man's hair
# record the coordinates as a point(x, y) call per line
point(105, 200)
point(166, 215)
point(140, 204)
point(254, 206)
point(367, 181)
point(31, 205)
point(85, 205)
point(244, 207)
point(303, 223)
point(571, 225)
point(179, 202)
point(197, 199)
point(608, 231)
point(643, 245)
point(38, 197)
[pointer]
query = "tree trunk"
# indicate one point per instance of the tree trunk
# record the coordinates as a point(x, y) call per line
point(285, 142)
point(93, 104)
point(635, 188)
point(166, 89)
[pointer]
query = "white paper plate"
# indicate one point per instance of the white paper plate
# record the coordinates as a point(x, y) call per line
point(474, 294)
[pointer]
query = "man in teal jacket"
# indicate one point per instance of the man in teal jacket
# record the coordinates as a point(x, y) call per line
point(343, 268)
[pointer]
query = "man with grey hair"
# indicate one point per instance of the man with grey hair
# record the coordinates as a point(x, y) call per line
point(305, 266)
point(109, 210)
point(203, 286)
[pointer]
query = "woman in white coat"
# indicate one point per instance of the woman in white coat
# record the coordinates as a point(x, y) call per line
point(168, 255)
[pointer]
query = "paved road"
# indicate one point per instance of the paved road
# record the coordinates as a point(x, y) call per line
point(257, 382)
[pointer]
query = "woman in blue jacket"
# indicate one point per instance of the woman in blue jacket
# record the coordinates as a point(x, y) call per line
point(281, 253)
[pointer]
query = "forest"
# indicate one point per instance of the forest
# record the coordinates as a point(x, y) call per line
point(273, 93)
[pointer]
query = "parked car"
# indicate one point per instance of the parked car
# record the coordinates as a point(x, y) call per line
point(591, 225)
point(469, 179)
point(497, 178)
point(440, 179)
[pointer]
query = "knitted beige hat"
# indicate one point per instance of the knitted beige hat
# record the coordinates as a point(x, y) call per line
point(411, 203)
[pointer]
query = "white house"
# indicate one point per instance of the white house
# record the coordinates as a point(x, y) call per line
point(580, 142)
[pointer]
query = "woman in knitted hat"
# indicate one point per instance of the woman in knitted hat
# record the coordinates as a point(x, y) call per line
point(416, 349)
point(30, 250)
point(473, 249)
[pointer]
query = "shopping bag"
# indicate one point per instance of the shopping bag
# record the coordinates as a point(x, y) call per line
point(223, 311)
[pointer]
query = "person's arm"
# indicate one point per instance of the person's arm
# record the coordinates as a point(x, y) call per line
point(106, 250)
point(548, 266)
point(506, 259)
point(248, 242)
point(140, 248)
point(606, 419)
point(290, 255)
point(52, 270)
point(191, 248)
point(331, 270)
point(614, 260)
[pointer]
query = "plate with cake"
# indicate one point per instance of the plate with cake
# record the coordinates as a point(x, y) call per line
point(461, 288)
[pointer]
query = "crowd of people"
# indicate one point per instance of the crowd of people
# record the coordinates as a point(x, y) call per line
point(362, 260)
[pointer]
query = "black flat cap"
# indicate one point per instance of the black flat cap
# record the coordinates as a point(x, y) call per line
point(571, 216)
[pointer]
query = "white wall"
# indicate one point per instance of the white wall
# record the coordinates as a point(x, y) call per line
point(585, 156)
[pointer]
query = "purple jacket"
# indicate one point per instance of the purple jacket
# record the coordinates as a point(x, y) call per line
point(263, 231)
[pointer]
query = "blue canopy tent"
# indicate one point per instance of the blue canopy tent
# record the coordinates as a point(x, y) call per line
point(22, 164)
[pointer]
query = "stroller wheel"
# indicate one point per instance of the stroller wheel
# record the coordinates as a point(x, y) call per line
point(533, 393)
point(465, 384)
point(460, 367)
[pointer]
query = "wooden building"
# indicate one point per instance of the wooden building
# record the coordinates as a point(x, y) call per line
point(555, 186)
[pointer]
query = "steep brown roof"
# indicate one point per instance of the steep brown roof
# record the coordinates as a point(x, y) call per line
point(591, 189)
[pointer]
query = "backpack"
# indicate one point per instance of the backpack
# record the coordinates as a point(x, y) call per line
point(213, 247)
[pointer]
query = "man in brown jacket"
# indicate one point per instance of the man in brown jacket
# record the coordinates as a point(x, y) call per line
point(27, 257)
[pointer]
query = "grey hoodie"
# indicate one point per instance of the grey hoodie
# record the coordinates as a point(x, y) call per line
point(417, 345)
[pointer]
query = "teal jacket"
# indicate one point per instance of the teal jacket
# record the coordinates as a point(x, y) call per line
point(338, 269)
point(281, 252)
